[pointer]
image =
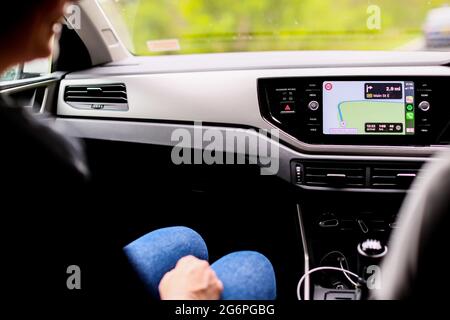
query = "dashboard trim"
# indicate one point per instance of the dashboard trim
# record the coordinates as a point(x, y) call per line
point(161, 134)
point(230, 98)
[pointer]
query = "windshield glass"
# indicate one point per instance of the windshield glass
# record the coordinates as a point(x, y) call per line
point(151, 27)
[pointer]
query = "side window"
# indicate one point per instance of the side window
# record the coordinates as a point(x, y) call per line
point(32, 69)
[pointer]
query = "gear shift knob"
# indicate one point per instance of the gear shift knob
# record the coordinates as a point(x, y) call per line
point(370, 252)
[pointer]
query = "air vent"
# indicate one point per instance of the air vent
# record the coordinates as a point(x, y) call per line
point(393, 176)
point(334, 175)
point(97, 97)
point(367, 175)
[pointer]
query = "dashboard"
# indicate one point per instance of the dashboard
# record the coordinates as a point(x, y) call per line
point(340, 107)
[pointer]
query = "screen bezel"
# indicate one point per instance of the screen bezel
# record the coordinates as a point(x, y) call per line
point(296, 125)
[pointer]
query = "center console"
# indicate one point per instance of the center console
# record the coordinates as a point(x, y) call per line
point(347, 205)
point(333, 230)
point(356, 110)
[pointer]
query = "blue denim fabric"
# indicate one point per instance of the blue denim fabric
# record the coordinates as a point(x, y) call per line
point(156, 253)
point(246, 275)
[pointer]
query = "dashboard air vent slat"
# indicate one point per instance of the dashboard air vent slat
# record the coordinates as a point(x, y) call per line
point(335, 176)
point(98, 97)
point(393, 177)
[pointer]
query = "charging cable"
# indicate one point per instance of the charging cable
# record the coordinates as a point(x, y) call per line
point(302, 279)
point(342, 259)
point(345, 273)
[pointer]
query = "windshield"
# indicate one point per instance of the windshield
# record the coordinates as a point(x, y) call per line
point(154, 27)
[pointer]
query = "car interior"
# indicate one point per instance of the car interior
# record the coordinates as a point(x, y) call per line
point(347, 132)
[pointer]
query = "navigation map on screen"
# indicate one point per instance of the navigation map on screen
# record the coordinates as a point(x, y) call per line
point(368, 108)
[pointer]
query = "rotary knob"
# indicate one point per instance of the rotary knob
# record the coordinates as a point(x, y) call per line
point(424, 106)
point(313, 105)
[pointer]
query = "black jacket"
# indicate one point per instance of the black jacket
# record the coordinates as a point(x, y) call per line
point(42, 174)
point(49, 221)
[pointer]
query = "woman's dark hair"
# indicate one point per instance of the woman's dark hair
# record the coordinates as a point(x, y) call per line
point(16, 13)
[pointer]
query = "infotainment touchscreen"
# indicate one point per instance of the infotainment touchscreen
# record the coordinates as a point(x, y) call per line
point(368, 107)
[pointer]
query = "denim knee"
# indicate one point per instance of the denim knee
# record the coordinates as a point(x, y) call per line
point(156, 253)
point(246, 275)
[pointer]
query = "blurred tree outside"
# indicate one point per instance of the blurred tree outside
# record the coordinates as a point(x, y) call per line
point(268, 25)
point(9, 74)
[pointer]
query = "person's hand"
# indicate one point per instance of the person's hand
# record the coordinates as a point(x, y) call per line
point(192, 279)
